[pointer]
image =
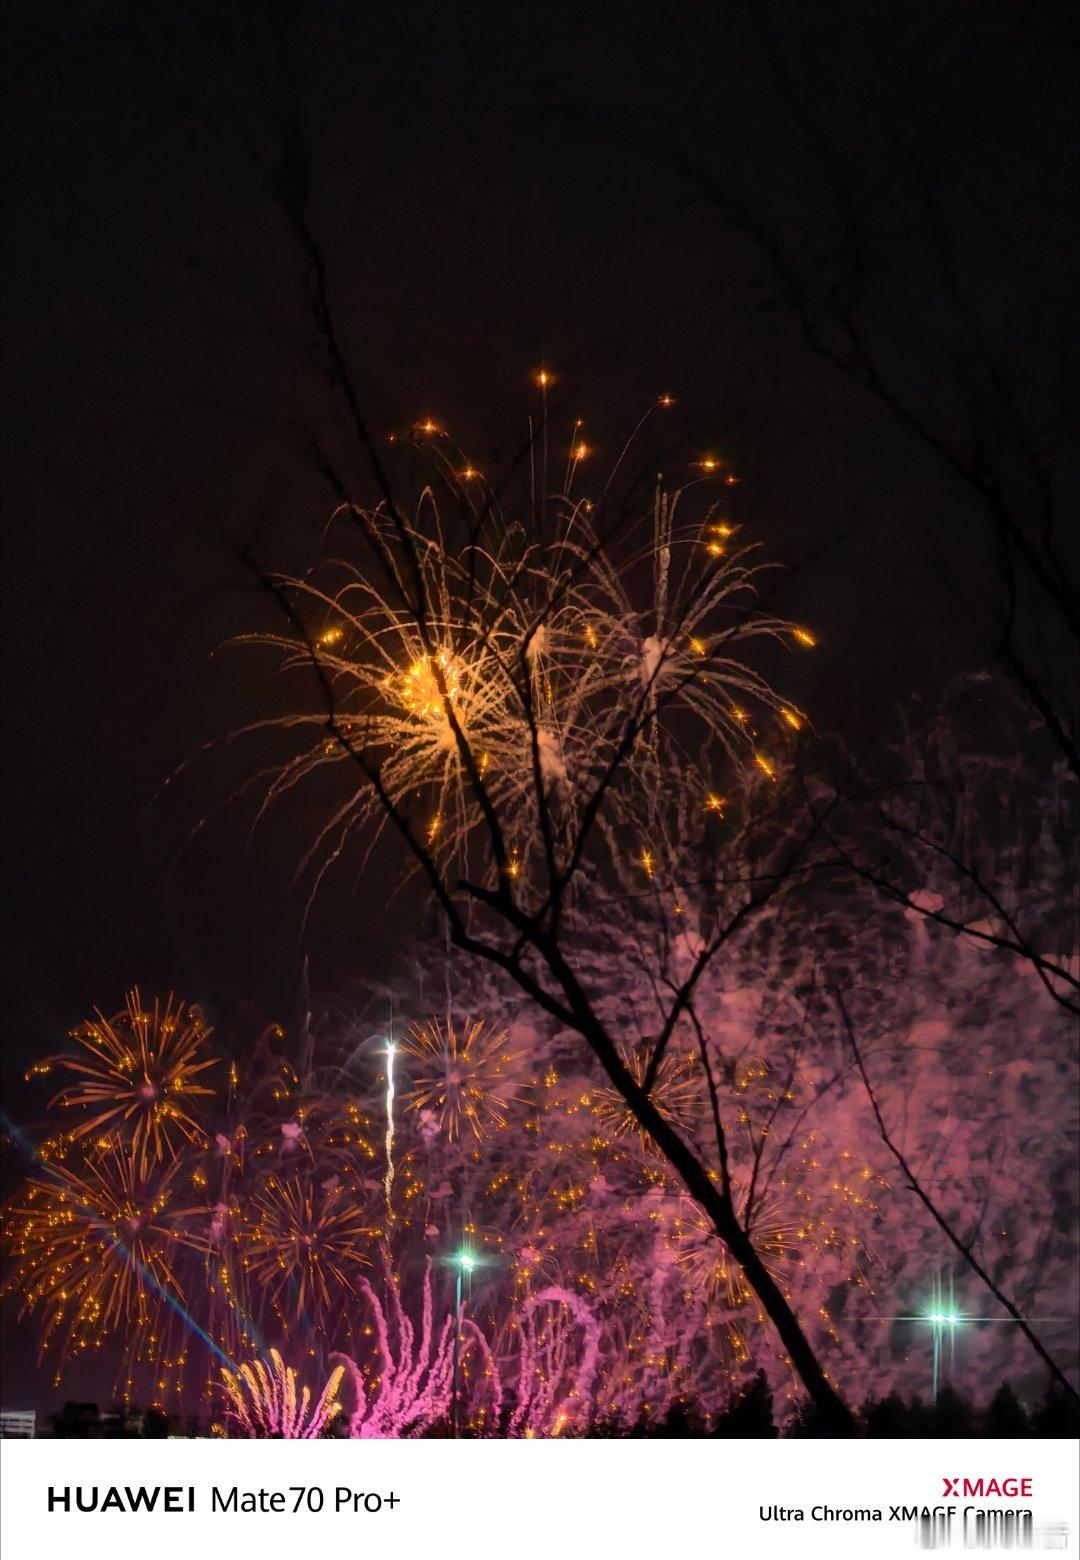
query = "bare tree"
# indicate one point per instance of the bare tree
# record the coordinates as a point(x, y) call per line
point(494, 912)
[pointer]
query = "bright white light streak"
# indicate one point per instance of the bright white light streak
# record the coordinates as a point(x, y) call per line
point(388, 1183)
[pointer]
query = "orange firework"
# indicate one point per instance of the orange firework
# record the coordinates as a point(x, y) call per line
point(304, 1242)
point(138, 1075)
point(95, 1248)
point(488, 663)
point(465, 1078)
point(709, 1267)
point(677, 1091)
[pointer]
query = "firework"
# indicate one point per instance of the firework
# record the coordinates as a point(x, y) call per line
point(303, 1245)
point(409, 1385)
point(413, 691)
point(670, 623)
point(388, 1181)
point(489, 669)
point(314, 1133)
point(95, 1248)
point(559, 1353)
point(466, 1077)
point(677, 1091)
point(263, 1403)
point(139, 1075)
point(711, 1271)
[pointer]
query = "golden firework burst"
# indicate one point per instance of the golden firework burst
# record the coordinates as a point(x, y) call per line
point(467, 1077)
point(138, 1076)
point(94, 1248)
point(677, 1090)
point(303, 1244)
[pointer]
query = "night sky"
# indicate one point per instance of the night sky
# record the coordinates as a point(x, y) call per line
point(496, 186)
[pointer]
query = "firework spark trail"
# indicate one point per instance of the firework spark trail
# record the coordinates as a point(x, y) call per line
point(263, 1401)
point(676, 1090)
point(415, 1373)
point(388, 1183)
point(552, 1392)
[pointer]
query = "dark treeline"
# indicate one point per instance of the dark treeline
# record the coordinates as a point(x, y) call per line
point(750, 1415)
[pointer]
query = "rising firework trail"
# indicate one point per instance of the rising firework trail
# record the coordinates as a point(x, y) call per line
point(388, 1183)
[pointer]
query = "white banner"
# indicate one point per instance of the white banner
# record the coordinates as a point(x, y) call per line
point(460, 1500)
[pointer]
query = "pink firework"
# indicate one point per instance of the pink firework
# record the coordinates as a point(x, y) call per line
point(415, 1381)
point(559, 1343)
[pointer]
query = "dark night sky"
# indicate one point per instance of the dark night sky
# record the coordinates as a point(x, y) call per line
point(496, 185)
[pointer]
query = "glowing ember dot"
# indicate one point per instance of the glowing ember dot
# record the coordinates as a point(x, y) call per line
point(418, 689)
point(715, 804)
point(544, 378)
point(805, 637)
point(647, 863)
point(667, 400)
point(709, 463)
point(469, 474)
point(580, 451)
point(330, 636)
point(766, 765)
point(793, 720)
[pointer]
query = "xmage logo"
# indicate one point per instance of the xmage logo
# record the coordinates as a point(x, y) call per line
point(1009, 1488)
